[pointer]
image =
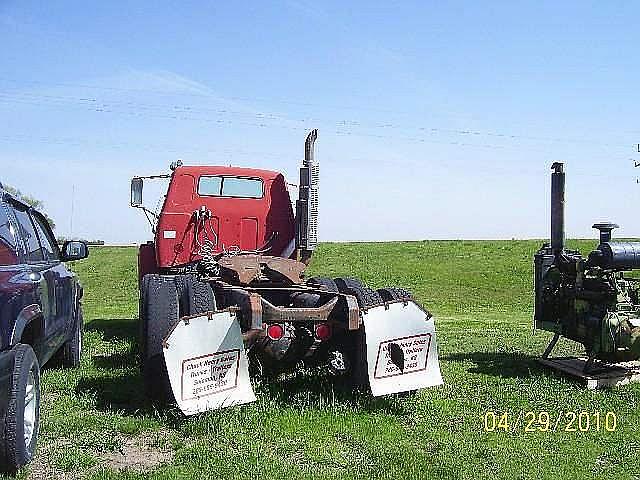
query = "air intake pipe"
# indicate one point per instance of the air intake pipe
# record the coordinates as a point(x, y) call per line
point(614, 255)
point(557, 208)
point(605, 230)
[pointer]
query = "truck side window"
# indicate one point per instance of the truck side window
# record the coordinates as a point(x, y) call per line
point(242, 187)
point(8, 253)
point(237, 187)
point(47, 240)
point(28, 233)
point(210, 186)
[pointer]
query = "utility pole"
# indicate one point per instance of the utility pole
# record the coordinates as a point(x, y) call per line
point(73, 194)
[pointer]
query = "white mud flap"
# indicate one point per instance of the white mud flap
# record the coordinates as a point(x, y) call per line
point(207, 364)
point(402, 353)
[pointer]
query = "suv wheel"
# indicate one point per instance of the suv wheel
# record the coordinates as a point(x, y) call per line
point(21, 421)
point(72, 349)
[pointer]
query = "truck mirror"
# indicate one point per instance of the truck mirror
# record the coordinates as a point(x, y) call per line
point(136, 192)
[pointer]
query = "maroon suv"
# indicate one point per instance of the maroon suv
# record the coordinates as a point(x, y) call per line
point(40, 319)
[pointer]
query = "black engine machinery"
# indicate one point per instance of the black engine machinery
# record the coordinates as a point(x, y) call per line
point(588, 300)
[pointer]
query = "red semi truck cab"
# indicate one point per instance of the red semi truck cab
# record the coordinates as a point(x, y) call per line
point(246, 209)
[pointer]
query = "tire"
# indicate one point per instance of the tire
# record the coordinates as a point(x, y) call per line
point(71, 351)
point(367, 298)
point(19, 438)
point(391, 294)
point(142, 331)
point(315, 299)
point(160, 315)
point(358, 377)
point(194, 296)
point(345, 284)
point(329, 284)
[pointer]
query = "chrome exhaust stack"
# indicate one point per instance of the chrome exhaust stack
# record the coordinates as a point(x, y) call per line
point(307, 203)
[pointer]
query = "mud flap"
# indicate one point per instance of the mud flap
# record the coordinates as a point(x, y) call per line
point(207, 364)
point(402, 352)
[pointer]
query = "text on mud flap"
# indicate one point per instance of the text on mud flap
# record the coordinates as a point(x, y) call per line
point(210, 374)
point(415, 353)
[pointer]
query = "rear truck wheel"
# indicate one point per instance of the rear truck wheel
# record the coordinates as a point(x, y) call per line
point(142, 333)
point(358, 376)
point(327, 283)
point(345, 284)
point(194, 296)
point(71, 350)
point(20, 421)
point(160, 315)
point(367, 298)
point(391, 294)
point(315, 299)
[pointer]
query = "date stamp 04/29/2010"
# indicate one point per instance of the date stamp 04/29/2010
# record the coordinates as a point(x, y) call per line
point(563, 421)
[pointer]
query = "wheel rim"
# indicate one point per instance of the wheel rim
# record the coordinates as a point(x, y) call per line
point(30, 403)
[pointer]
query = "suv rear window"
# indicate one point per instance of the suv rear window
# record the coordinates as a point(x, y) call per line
point(238, 187)
point(8, 254)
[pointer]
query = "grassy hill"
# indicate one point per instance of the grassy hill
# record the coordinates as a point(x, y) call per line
point(96, 422)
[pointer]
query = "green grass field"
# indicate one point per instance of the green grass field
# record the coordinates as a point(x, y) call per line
point(96, 422)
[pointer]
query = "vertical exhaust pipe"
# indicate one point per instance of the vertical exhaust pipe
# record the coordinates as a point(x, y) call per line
point(557, 208)
point(307, 204)
point(309, 144)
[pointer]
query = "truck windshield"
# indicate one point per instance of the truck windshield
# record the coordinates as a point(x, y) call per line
point(220, 186)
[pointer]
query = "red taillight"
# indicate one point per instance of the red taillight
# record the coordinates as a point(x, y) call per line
point(275, 331)
point(323, 331)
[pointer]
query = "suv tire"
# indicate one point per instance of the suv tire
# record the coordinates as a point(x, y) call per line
point(71, 350)
point(21, 421)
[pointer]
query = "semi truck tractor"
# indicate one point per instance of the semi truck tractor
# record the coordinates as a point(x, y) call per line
point(224, 295)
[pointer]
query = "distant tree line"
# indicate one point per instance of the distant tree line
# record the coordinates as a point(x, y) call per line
point(62, 239)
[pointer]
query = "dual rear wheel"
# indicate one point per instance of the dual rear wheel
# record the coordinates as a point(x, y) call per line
point(355, 346)
point(164, 299)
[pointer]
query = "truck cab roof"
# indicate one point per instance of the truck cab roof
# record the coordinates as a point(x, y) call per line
point(198, 170)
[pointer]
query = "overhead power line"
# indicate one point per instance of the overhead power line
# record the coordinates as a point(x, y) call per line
point(221, 117)
point(174, 111)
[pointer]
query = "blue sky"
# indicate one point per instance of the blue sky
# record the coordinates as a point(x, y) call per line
point(437, 120)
